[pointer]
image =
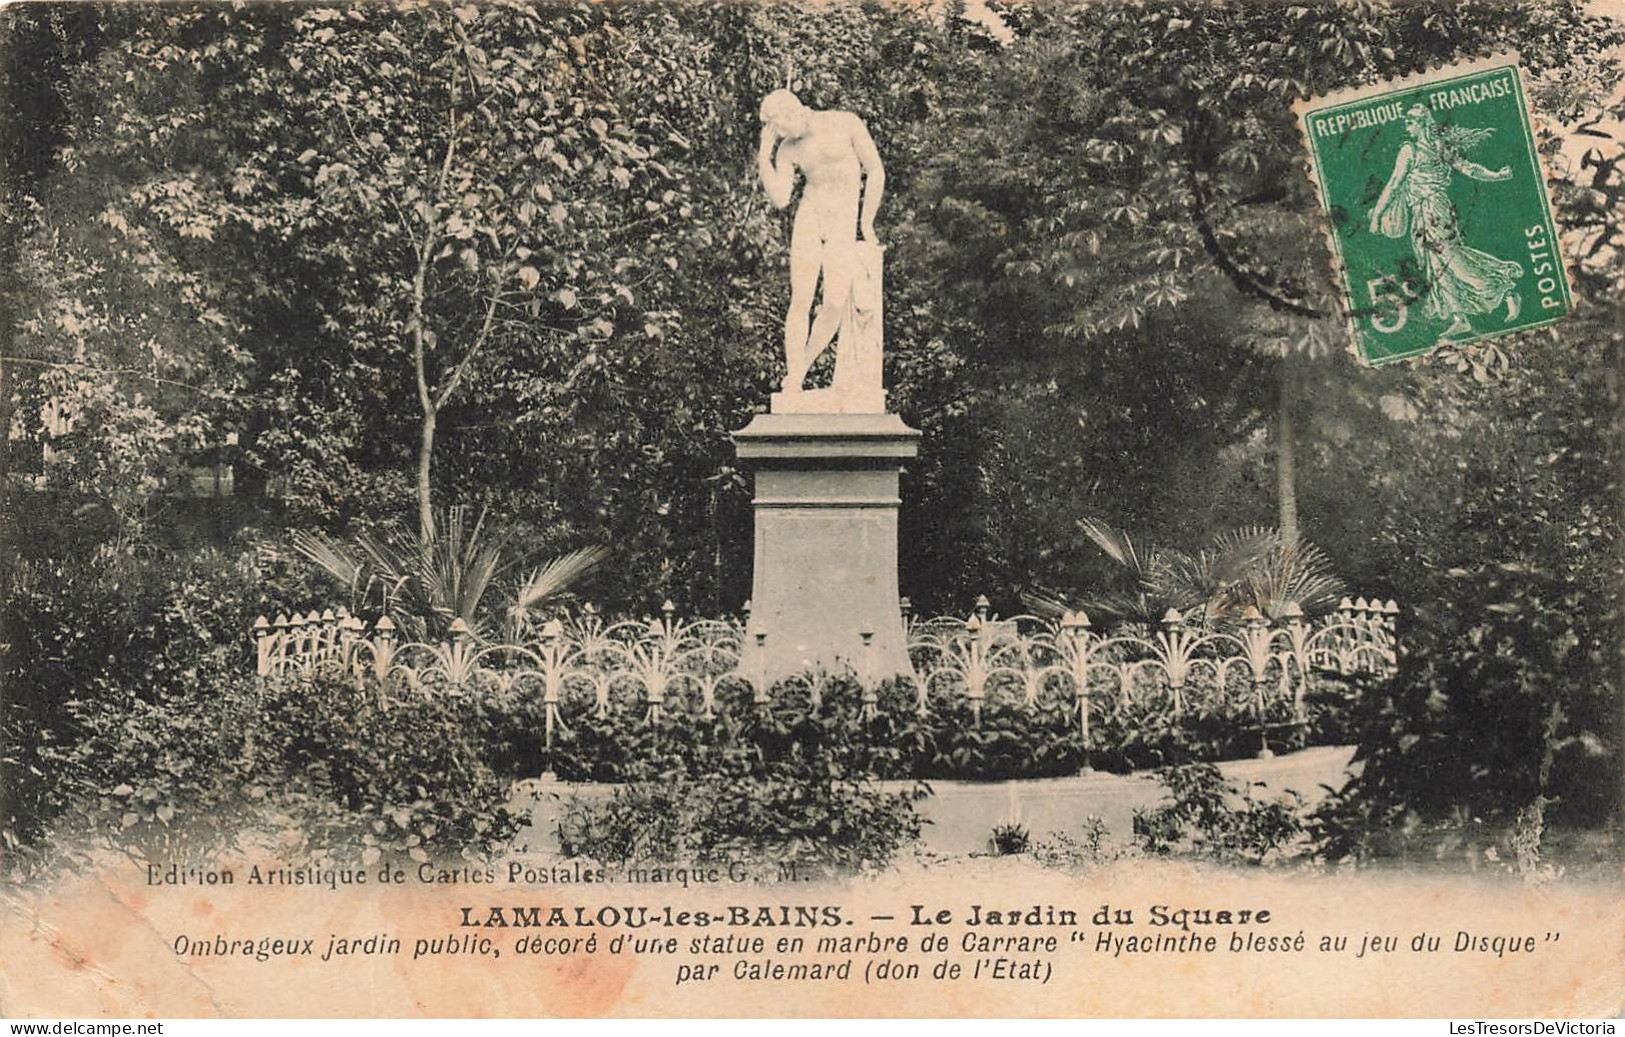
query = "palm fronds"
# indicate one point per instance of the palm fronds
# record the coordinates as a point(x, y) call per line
point(460, 566)
point(425, 587)
point(1210, 582)
point(1294, 574)
point(1044, 603)
point(339, 561)
point(554, 578)
point(548, 581)
point(1247, 566)
point(1144, 600)
point(1117, 545)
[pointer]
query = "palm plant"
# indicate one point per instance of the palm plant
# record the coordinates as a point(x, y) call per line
point(548, 581)
point(1254, 566)
point(1293, 574)
point(1144, 600)
point(425, 586)
point(1211, 583)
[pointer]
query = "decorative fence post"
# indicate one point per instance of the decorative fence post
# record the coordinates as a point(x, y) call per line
point(1390, 643)
point(350, 629)
point(329, 633)
point(1298, 631)
point(281, 645)
point(759, 684)
point(975, 677)
point(1075, 632)
point(383, 656)
point(262, 647)
point(1175, 655)
point(1257, 640)
point(654, 686)
point(293, 645)
point(459, 661)
point(553, 679)
point(866, 679)
point(1349, 636)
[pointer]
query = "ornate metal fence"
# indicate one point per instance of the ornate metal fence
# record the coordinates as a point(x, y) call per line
point(667, 663)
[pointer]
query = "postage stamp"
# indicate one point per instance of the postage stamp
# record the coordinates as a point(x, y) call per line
point(1437, 209)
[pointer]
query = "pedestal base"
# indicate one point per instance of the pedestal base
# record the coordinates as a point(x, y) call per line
point(833, 400)
point(826, 540)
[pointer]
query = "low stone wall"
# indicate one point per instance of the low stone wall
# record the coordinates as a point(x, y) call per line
point(962, 814)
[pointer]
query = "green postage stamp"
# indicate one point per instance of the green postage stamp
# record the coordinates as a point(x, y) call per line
point(1437, 207)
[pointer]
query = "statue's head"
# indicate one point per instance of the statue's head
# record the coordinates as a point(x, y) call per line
point(784, 111)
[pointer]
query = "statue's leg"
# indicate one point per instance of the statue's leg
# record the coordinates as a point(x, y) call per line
point(805, 258)
point(838, 274)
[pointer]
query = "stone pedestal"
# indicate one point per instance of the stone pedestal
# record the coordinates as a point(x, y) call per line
point(826, 540)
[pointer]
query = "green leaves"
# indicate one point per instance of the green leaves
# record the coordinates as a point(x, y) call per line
point(424, 587)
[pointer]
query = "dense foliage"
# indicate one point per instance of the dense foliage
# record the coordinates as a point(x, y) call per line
point(1203, 815)
point(1000, 738)
point(793, 780)
point(136, 724)
point(379, 260)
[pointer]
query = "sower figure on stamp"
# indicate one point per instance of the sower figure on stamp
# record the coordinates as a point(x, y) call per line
point(844, 181)
point(1461, 281)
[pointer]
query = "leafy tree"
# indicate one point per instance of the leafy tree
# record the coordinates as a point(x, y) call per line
point(1143, 158)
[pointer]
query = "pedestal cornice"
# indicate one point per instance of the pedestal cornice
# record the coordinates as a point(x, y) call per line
point(809, 437)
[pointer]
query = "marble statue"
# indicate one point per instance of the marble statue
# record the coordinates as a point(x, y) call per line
point(843, 182)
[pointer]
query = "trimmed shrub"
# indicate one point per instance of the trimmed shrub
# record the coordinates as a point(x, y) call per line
point(789, 780)
point(1207, 816)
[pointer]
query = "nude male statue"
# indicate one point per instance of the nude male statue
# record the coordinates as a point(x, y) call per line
point(844, 184)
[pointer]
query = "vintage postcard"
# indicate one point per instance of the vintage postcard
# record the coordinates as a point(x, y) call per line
point(551, 509)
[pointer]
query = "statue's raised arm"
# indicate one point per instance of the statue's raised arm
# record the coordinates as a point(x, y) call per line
point(843, 181)
point(779, 181)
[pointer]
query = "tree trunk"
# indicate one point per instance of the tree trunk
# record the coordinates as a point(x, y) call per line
point(425, 505)
point(5, 428)
point(1286, 461)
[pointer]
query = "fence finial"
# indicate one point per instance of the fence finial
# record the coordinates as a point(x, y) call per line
point(1074, 624)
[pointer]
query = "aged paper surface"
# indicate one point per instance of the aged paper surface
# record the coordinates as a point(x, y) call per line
point(854, 359)
point(102, 947)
